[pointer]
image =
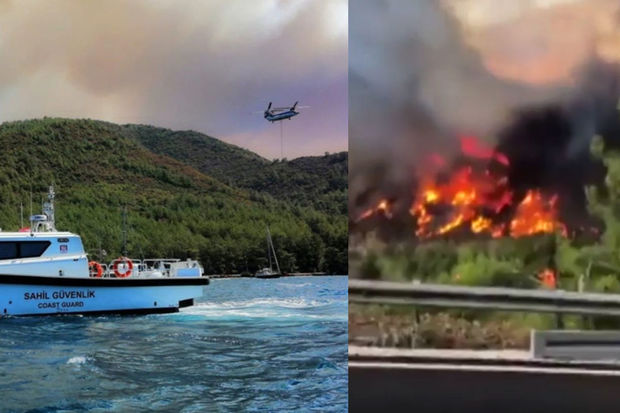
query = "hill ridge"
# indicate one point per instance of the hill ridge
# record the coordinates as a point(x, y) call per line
point(174, 209)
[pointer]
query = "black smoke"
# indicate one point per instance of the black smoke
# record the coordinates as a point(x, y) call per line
point(416, 84)
point(549, 146)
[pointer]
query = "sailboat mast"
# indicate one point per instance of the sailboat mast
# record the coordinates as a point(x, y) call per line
point(272, 250)
point(268, 250)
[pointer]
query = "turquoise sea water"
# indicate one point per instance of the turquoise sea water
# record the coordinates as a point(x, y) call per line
point(247, 345)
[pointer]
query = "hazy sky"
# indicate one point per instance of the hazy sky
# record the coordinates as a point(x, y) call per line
point(204, 65)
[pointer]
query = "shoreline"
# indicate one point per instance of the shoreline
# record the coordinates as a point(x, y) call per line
point(295, 274)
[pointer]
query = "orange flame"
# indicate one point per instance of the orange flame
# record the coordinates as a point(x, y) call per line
point(547, 278)
point(480, 224)
point(535, 215)
point(468, 198)
point(382, 207)
point(467, 194)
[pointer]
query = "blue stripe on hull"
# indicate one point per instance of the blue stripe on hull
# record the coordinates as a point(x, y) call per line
point(22, 299)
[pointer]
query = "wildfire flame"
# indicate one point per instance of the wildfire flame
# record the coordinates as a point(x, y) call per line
point(536, 215)
point(382, 207)
point(547, 278)
point(472, 198)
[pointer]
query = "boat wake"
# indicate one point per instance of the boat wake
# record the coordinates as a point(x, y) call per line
point(271, 308)
point(286, 285)
point(77, 360)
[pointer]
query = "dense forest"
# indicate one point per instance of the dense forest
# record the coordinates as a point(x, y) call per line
point(210, 201)
point(320, 182)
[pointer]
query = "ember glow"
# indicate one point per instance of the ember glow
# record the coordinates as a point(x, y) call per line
point(476, 197)
point(383, 208)
point(460, 200)
point(472, 148)
point(535, 214)
point(547, 278)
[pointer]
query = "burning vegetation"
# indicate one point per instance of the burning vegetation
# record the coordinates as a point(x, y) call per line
point(475, 197)
point(520, 214)
point(485, 147)
point(473, 152)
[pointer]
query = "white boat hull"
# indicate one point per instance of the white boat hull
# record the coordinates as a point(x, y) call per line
point(274, 275)
point(26, 295)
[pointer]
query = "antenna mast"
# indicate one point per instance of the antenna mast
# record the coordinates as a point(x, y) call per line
point(48, 209)
point(124, 250)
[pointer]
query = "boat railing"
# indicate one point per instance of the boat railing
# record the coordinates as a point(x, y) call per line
point(151, 267)
point(158, 267)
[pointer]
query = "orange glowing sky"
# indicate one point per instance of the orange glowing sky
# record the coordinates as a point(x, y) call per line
point(539, 41)
point(182, 64)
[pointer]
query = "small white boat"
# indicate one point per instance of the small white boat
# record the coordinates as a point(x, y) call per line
point(268, 272)
point(45, 271)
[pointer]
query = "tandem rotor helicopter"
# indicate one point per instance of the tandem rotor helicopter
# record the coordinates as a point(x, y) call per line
point(276, 114)
point(280, 114)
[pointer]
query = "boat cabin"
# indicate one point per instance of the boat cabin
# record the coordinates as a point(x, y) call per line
point(42, 254)
point(41, 250)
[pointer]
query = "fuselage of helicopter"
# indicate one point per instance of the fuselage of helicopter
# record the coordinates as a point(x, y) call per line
point(273, 117)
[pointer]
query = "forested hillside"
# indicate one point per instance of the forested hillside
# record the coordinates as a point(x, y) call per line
point(173, 208)
point(319, 181)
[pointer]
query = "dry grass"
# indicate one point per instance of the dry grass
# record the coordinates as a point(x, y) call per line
point(380, 327)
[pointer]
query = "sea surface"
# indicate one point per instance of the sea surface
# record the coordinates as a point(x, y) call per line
point(272, 345)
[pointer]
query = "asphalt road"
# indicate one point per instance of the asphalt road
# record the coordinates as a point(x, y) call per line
point(426, 384)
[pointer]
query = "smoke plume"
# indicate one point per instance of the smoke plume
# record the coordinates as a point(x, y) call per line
point(203, 65)
point(535, 79)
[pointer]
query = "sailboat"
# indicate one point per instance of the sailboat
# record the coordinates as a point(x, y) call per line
point(268, 272)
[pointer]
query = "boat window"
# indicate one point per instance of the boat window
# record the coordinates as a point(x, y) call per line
point(32, 248)
point(8, 250)
point(63, 239)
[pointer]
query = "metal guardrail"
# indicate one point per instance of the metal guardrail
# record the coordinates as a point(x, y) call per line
point(491, 298)
point(576, 345)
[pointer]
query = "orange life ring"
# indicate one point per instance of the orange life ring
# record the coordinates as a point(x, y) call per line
point(122, 260)
point(95, 269)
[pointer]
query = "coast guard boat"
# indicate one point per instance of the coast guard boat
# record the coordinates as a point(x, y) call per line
point(45, 271)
